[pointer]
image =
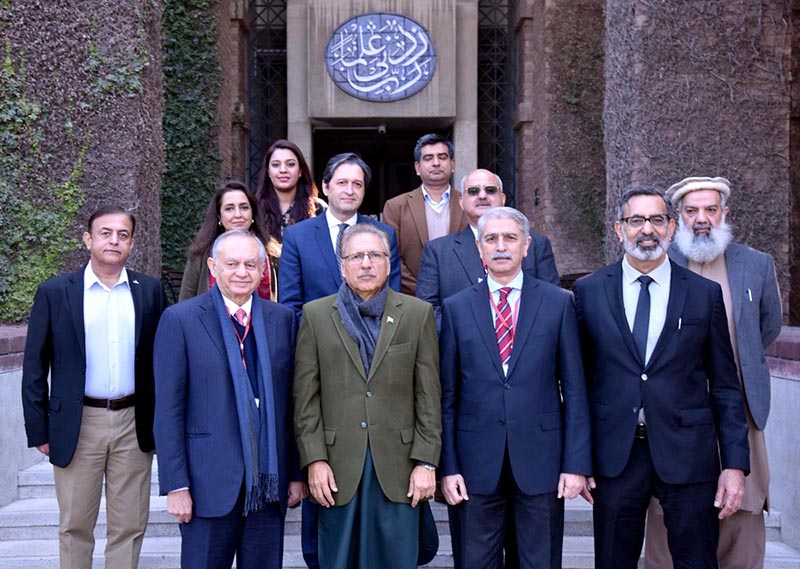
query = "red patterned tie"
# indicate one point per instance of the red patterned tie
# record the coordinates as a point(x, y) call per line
point(502, 324)
point(240, 316)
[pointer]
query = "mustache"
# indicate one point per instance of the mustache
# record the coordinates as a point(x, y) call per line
point(652, 237)
point(501, 255)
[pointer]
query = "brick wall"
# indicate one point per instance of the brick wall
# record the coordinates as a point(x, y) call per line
point(12, 344)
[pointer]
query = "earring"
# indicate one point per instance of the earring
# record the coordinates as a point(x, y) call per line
point(219, 223)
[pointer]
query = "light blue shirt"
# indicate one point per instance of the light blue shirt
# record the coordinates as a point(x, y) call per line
point(437, 206)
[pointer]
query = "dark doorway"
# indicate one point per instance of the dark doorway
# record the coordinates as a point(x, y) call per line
point(390, 155)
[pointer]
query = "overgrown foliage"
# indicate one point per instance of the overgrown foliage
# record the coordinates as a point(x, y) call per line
point(192, 78)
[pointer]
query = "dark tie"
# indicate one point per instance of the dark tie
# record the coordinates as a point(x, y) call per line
point(342, 227)
point(641, 322)
point(502, 329)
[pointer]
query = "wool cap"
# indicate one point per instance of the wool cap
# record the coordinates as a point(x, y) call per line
point(677, 191)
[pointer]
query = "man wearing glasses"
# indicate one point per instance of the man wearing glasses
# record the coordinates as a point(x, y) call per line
point(665, 402)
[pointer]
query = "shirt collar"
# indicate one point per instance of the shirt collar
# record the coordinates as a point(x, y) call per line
point(90, 278)
point(515, 284)
point(333, 222)
point(661, 274)
point(233, 307)
point(428, 198)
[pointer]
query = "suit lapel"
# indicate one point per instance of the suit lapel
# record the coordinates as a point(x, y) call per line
point(136, 292)
point(350, 345)
point(613, 286)
point(530, 300)
point(736, 271)
point(677, 299)
point(389, 324)
point(416, 205)
point(209, 320)
point(467, 253)
point(323, 238)
point(456, 213)
point(75, 300)
point(479, 302)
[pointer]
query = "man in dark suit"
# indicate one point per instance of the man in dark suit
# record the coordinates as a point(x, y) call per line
point(514, 409)
point(309, 267)
point(92, 331)
point(224, 364)
point(666, 407)
point(452, 263)
point(431, 211)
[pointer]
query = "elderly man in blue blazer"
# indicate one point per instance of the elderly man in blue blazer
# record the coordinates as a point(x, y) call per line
point(515, 416)
point(665, 402)
point(224, 364)
point(753, 308)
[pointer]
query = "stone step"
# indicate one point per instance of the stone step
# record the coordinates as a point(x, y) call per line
point(37, 481)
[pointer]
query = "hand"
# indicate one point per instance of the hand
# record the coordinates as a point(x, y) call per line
point(570, 485)
point(586, 493)
point(454, 489)
point(44, 449)
point(179, 504)
point(730, 491)
point(321, 483)
point(297, 491)
point(421, 484)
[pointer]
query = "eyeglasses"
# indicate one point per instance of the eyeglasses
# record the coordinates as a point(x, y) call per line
point(358, 258)
point(638, 221)
point(475, 190)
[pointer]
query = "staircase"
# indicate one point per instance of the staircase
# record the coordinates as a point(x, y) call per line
point(29, 532)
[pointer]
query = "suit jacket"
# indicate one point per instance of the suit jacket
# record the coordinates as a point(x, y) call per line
point(484, 411)
point(757, 315)
point(309, 269)
point(689, 387)
point(56, 345)
point(195, 277)
point(196, 425)
point(339, 410)
point(406, 215)
point(452, 263)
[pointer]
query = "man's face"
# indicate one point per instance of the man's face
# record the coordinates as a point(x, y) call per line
point(110, 240)
point(502, 247)
point(435, 167)
point(648, 242)
point(701, 211)
point(345, 191)
point(237, 268)
point(481, 192)
point(366, 276)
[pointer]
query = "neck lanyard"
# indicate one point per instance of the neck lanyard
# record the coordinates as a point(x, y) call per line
point(241, 338)
point(506, 323)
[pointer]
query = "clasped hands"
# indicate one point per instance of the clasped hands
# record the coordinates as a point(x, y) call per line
point(569, 486)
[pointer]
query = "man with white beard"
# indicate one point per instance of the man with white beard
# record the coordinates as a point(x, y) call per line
point(753, 306)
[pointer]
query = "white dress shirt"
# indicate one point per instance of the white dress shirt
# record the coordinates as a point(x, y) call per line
point(333, 226)
point(437, 206)
point(659, 298)
point(513, 299)
point(109, 324)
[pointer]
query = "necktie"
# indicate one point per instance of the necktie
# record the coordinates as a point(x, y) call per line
point(342, 227)
point(641, 322)
point(241, 316)
point(502, 326)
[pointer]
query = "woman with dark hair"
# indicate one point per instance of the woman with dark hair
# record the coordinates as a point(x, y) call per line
point(286, 195)
point(233, 206)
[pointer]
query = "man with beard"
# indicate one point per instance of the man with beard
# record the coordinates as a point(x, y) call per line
point(665, 404)
point(753, 308)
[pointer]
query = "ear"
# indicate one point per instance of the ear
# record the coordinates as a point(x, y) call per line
point(212, 267)
point(503, 194)
point(87, 239)
point(618, 230)
point(324, 188)
point(670, 230)
point(527, 246)
point(416, 168)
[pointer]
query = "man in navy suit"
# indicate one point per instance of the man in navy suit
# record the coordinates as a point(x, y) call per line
point(309, 267)
point(452, 263)
point(666, 407)
point(224, 364)
point(92, 332)
point(514, 409)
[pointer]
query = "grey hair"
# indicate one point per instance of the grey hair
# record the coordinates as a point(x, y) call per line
point(362, 228)
point(346, 158)
point(262, 253)
point(722, 201)
point(643, 190)
point(464, 179)
point(505, 213)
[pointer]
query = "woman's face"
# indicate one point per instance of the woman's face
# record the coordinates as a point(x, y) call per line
point(235, 211)
point(284, 170)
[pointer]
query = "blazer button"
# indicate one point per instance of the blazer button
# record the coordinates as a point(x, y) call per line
point(507, 386)
point(369, 393)
point(644, 377)
point(363, 424)
point(635, 409)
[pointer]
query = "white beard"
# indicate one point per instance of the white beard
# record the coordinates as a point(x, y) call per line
point(644, 253)
point(703, 248)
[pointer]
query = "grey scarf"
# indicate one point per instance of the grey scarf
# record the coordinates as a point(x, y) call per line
point(362, 319)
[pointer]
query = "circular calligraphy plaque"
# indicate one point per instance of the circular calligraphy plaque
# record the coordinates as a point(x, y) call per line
point(380, 57)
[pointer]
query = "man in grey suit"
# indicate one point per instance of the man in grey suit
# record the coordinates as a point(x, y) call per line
point(753, 306)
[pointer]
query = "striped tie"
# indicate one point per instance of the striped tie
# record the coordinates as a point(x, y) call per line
point(502, 328)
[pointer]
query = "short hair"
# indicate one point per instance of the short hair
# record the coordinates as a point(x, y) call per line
point(363, 228)
point(497, 177)
point(110, 209)
point(505, 212)
point(346, 158)
point(432, 138)
point(262, 253)
point(643, 190)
